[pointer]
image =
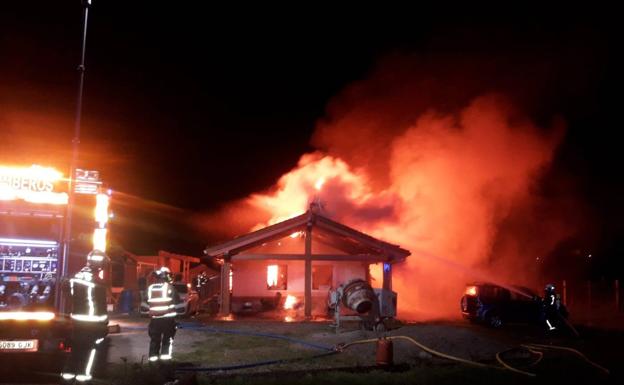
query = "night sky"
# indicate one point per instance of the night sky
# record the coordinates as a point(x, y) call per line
point(188, 108)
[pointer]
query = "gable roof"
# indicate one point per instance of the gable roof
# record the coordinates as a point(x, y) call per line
point(328, 231)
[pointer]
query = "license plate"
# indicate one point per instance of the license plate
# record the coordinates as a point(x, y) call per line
point(19, 346)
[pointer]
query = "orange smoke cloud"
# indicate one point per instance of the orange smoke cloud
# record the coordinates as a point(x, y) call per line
point(449, 181)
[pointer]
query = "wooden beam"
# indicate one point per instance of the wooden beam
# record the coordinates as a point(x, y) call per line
point(225, 308)
point(314, 257)
point(387, 276)
point(367, 273)
point(258, 237)
point(394, 252)
point(308, 271)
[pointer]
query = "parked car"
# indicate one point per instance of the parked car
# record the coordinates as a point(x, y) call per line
point(188, 305)
point(495, 305)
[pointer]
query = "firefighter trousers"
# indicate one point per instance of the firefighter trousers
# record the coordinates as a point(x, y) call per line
point(86, 339)
point(161, 332)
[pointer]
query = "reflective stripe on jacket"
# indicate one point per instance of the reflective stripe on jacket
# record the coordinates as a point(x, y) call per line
point(88, 301)
point(162, 298)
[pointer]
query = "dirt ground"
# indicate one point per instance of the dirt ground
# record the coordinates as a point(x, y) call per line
point(216, 346)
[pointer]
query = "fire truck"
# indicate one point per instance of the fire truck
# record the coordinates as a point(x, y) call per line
point(34, 261)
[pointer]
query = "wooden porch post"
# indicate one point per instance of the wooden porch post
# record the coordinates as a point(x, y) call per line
point(387, 275)
point(225, 309)
point(308, 271)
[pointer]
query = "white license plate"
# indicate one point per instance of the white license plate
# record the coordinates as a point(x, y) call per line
point(19, 345)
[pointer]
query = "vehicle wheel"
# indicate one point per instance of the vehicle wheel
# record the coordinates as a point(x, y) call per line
point(495, 321)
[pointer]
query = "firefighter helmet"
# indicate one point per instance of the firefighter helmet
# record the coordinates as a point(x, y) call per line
point(549, 289)
point(163, 275)
point(97, 259)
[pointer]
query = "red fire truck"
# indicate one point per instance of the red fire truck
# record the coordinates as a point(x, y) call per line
point(33, 208)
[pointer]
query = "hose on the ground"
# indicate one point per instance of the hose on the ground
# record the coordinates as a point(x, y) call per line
point(539, 355)
point(509, 367)
point(565, 348)
point(533, 348)
point(423, 347)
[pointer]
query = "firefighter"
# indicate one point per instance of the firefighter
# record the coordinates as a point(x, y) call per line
point(554, 311)
point(162, 299)
point(89, 318)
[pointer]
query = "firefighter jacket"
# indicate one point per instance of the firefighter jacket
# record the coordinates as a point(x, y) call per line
point(162, 299)
point(88, 299)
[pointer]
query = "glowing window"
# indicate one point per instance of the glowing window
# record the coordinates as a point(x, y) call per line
point(277, 276)
point(322, 276)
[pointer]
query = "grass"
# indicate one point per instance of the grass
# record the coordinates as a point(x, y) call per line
point(438, 375)
point(224, 349)
point(416, 375)
point(353, 366)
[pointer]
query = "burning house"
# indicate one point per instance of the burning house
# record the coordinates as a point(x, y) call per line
point(295, 264)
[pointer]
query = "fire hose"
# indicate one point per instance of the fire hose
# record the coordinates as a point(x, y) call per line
point(329, 351)
point(565, 348)
point(532, 348)
point(535, 349)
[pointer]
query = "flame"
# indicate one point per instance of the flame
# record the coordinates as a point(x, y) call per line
point(319, 184)
point(289, 319)
point(441, 187)
point(272, 272)
point(297, 188)
point(290, 302)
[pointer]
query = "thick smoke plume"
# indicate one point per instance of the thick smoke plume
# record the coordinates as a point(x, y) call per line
point(442, 180)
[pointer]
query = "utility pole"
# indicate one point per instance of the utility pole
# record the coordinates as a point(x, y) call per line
point(86, 4)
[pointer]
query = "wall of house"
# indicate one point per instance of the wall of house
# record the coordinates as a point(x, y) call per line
point(250, 277)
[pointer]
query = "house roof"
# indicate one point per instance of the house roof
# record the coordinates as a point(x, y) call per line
point(324, 230)
point(155, 259)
